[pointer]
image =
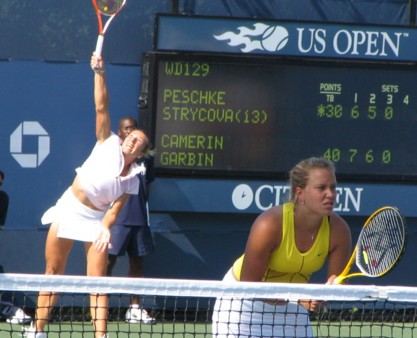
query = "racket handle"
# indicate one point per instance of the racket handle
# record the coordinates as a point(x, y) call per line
point(99, 45)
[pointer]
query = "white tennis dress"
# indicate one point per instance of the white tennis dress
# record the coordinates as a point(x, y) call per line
point(100, 178)
point(237, 318)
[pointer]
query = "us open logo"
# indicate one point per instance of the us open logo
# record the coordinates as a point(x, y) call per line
point(259, 36)
point(26, 130)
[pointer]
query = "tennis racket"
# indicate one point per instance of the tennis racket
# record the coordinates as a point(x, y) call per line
point(380, 245)
point(105, 8)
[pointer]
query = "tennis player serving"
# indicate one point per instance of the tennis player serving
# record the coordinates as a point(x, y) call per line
point(87, 209)
point(287, 244)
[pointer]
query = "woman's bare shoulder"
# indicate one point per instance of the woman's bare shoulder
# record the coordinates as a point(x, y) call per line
point(270, 219)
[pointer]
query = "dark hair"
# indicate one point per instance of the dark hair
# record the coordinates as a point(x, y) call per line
point(2, 175)
point(148, 146)
point(131, 119)
point(300, 173)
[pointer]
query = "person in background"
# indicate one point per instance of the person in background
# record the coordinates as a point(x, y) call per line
point(4, 201)
point(131, 232)
point(12, 313)
point(89, 207)
point(287, 244)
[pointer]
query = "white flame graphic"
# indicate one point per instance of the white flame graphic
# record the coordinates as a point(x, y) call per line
point(270, 38)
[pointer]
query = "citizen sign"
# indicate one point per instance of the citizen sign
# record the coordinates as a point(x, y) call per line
point(350, 42)
point(266, 196)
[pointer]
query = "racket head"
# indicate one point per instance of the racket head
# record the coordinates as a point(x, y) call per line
point(381, 242)
point(109, 7)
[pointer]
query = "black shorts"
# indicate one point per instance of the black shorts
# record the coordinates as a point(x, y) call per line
point(135, 240)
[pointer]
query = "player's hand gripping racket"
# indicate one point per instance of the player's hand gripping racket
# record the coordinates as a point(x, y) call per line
point(103, 8)
point(380, 245)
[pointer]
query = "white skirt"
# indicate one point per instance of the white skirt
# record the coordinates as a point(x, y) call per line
point(252, 318)
point(76, 221)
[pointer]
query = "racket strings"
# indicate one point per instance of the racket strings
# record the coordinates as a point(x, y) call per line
point(109, 7)
point(381, 243)
point(388, 245)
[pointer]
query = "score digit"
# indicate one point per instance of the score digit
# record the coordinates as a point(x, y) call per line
point(333, 155)
point(386, 156)
point(187, 69)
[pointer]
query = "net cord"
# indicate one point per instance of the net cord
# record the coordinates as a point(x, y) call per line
point(204, 288)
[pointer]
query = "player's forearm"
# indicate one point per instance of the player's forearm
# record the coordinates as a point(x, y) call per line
point(101, 96)
point(101, 100)
point(108, 221)
point(111, 214)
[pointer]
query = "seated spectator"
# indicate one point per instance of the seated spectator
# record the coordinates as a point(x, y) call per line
point(12, 313)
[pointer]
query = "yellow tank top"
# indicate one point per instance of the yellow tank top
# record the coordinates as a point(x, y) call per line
point(287, 264)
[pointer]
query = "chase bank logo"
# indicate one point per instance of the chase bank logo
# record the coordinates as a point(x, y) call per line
point(262, 37)
point(25, 131)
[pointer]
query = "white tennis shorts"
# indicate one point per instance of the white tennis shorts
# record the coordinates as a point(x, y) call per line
point(76, 221)
point(237, 318)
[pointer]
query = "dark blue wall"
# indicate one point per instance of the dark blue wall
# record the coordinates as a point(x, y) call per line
point(57, 31)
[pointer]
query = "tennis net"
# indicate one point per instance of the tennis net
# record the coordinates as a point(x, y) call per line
point(200, 308)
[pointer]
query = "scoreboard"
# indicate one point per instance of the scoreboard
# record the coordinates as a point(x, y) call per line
point(237, 116)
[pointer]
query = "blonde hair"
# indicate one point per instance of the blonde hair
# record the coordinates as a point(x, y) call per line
point(299, 174)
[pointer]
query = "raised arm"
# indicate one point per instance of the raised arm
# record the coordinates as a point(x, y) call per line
point(101, 99)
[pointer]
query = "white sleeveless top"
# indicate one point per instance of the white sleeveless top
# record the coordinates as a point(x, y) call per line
point(100, 178)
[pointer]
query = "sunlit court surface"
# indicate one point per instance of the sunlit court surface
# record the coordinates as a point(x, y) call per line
point(124, 330)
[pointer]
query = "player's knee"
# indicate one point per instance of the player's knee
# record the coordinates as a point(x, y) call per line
point(52, 270)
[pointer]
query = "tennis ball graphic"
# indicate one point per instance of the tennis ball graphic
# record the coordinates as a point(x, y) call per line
point(106, 8)
point(274, 38)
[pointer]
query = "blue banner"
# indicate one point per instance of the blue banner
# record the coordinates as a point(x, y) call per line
point(250, 196)
point(286, 38)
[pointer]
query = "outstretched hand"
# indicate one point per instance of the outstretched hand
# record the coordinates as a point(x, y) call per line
point(311, 305)
point(331, 280)
point(103, 240)
point(97, 64)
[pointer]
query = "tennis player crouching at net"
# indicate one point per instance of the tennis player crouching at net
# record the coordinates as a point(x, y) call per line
point(287, 243)
point(87, 210)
